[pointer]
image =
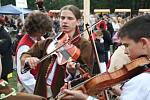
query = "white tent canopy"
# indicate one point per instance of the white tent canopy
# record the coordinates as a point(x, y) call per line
point(144, 10)
point(122, 10)
point(13, 10)
point(101, 10)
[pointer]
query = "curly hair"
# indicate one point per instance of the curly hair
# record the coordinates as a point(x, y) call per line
point(37, 21)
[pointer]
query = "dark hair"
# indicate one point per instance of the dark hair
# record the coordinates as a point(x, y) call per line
point(75, 10)
point(2, 20)
point(136, 28)
point(19, 23)
point(37, 21)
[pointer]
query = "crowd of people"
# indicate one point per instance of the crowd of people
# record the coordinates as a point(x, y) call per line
point(55, 57)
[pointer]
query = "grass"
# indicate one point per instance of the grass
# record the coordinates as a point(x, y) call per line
point(13, 80)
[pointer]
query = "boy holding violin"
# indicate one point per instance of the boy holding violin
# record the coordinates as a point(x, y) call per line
point(52, 72)
point(135, 36)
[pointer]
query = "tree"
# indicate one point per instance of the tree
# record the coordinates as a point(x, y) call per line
point(6, 2)
point(95, 4)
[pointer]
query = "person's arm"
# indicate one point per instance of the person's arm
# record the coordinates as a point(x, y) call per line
point(21, 50)
point(27, 79)
point(32, 56)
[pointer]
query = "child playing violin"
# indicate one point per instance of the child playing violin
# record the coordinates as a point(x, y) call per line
point(52, 74)
point(135, 36)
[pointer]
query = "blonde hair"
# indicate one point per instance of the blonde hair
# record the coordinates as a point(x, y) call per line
point(98, 33)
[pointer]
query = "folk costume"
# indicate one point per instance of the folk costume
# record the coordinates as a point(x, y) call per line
point(51, 75)
point(27, 80)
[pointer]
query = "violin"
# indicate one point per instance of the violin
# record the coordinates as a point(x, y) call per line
point(100, 82)
point(65, 52)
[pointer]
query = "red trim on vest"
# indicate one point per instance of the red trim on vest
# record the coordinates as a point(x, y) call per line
point(57, 70)
point(47, 74)
point(148, 70)
point(56, 74)
point(26, 40)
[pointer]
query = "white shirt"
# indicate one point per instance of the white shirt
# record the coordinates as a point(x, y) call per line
point(138, 88)
point(115, 26)
point(27, 79)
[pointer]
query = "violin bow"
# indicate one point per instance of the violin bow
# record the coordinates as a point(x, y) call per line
point(93, 45)
point(96, 54)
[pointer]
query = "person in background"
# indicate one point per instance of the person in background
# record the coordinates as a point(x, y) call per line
point(102, 23)
point(107, 41)
point(0, 66)
point(19, 35)
point(36, 25)
point(99, 42)
point(5, 50)
point(118, 59)
point(52, 73)
point(135, 36)
point(19, 25)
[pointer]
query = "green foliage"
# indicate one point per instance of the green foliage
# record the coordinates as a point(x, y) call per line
point(6, 2)
point(95, 4)
point(57, 4)
point(31, 4)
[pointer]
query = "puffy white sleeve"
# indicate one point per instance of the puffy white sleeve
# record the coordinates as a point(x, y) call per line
point(91, 98)
point(27, 79)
